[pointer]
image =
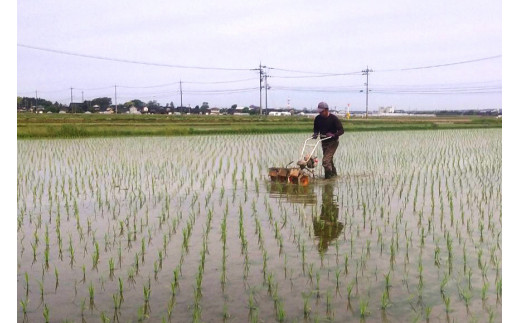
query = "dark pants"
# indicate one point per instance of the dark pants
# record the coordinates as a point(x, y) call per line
point(329, 149)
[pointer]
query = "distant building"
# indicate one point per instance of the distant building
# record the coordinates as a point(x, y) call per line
point(279, 113)
point(383, 110)
point(214, 111)
point(133, 110)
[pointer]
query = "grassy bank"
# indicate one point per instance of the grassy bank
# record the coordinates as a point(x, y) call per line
point(97, 125)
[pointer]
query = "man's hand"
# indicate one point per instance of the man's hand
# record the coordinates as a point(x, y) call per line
point(330, 134)
point(314, 136)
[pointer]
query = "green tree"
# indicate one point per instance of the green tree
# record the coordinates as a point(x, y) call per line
point(138, 103)
point(153, 104)
point(103, 103)
point(204, 108)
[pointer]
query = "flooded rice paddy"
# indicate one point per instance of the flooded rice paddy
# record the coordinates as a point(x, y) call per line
point(187, 229)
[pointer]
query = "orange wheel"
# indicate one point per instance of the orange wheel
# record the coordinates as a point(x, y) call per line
point(303, 180)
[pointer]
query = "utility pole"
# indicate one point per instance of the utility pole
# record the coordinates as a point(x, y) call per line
point(266, 88)
point(180, 87)
point(71, 96)
point(366, 72)
point(261, 72)
point(82, 99)
point(115, 96)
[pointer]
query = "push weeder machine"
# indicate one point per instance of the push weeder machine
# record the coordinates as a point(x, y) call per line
point(302, 174)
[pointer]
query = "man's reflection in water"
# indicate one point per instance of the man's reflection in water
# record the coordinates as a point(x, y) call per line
point(327, 227)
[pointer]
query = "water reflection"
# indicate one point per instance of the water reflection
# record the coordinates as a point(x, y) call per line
point(292, 193)
point(327, 228)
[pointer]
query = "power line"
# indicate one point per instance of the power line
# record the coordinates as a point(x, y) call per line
point(223, 92)
point(316, 76)
point(185, 82)
point(222, 82)
point(442, 65)
point(131, 61)
point(325, 90)
point(313, 73)
point(262, 69)
point(440, 91)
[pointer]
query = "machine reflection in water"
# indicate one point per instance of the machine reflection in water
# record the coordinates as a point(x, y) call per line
point(292, 193)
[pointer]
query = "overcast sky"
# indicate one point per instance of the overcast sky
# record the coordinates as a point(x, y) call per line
point(423, 54)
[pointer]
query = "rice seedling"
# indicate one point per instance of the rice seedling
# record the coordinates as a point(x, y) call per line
point(363, 308)
point(318, 277)
point(445, 184)
point(24, 307)
point(499, 288)
point(95, 256)
point(280, 312)
point(91, 293)
point(84, 273)
point(225, 312)
point(56, 275)
point(46, 257)
point(46, 313)
point(385, 300)
point(387, 281)
point(329, 304)
point(41, 290)
point(349, 289)
point(483, 291)
point(104, 318)
point(444, 283)
point(146, 293)
point(26, 278)
point(466, 295)
point(428, 312)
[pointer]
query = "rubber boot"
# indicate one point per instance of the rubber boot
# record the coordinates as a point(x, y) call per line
point(334, 173)
point(328, 174)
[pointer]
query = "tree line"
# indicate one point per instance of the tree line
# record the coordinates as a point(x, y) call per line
point(31, 104)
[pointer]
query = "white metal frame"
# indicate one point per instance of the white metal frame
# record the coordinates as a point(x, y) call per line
point(314, 146)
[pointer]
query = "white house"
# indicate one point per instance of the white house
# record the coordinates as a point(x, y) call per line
point(279, 113)
point(386, 110)
point(133, 110)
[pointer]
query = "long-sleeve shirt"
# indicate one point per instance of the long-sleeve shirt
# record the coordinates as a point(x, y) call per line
point(330, 124)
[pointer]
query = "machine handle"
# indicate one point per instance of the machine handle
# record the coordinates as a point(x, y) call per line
point(305, 144)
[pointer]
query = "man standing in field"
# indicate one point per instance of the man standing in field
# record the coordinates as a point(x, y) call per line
point(328, 125)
